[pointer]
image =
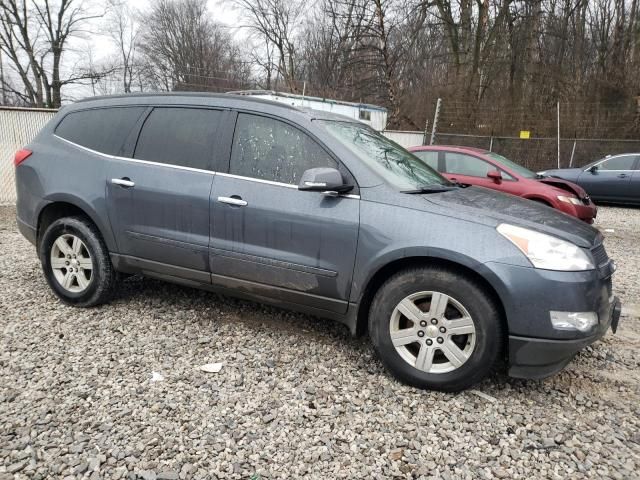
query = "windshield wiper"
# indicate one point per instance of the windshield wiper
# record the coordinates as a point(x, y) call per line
point(433, 188)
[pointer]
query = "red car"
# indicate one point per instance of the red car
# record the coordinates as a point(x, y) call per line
point(488, 169)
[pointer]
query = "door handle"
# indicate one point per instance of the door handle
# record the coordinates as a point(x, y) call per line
point(622, 175)
point(237, 201)
point(123, 182)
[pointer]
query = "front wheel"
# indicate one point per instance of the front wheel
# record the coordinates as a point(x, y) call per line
point(76, 262)
point(435, 328)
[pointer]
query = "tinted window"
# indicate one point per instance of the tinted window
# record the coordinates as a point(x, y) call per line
point(467, 165)
point(179, 136)
point(430, 158)
point(100, 129)
point(618, 163)
point(273, 150)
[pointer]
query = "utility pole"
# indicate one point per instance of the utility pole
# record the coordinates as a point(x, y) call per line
point(4, 92)
point(558, 134)
point(434, 126)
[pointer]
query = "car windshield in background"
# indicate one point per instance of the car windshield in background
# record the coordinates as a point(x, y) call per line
point(393, 163)
point(523, 171)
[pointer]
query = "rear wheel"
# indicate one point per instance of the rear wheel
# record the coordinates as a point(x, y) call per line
point(76, 262)
point(435, 328)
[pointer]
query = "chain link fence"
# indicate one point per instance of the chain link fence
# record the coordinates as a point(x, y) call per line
point(542, 153)
point(18, 126)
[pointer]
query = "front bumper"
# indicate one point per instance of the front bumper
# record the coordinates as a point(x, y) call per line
point(540, 358)
point(586, 213)
point(536, 348)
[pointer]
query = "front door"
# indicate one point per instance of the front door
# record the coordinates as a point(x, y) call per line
point(465, 168)
point(611, 180)
point(271, 239)
point(158, 201)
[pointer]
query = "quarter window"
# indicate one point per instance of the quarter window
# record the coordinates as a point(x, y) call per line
point(624, 162)
point(269, 149)
point(100, 129)
point(179, 136)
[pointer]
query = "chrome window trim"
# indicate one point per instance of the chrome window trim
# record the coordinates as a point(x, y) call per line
point(277, 184)
point(191, 169)
point(135, 160)
point(258, 180)
point(611, 158)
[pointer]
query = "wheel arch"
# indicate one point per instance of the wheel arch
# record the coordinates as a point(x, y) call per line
point(59, 206)
point(392, 267)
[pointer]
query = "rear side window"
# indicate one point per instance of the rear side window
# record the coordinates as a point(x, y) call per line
point(179, 136)
point(430, 158)
point(624, 162)
point(100, 129)
point(272, 150)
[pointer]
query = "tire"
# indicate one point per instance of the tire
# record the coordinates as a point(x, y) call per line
point(76, 262)
point(469, 312)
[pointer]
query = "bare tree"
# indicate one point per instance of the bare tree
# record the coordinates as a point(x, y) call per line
point(276, 21)
point(123, 29)
point(34, 36)
point(185, 50)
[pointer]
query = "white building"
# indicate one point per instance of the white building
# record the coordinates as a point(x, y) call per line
point(372, 115)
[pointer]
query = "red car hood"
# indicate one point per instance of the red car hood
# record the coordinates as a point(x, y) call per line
point(565, 185)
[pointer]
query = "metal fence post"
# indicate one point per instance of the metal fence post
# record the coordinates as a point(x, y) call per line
point(573, 150)
point(434, 126)
point(491, 143)
point(558, 134)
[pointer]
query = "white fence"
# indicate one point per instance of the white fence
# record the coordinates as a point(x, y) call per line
point(18, 126)
point(404, 138)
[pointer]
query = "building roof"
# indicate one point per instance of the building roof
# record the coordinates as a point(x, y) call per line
point(365, 106)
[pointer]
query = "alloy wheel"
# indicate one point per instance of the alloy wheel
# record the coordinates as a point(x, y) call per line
point(433, 332)
point(71, 263)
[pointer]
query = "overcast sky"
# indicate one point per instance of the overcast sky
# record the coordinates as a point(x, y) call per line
point(102, 47)
point(220, 11)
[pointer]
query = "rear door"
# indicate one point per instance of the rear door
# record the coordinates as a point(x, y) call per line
point(270, 239)
point(158, 201)
point(611, 181)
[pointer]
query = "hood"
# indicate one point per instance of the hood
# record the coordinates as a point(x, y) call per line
point(570, 174)
point(490, 207)
point(565, 185)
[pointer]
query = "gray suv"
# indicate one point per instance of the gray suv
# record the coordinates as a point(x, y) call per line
point(314, 212)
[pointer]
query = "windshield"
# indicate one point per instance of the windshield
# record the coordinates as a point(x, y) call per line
point(393, 163)
point(523, 171)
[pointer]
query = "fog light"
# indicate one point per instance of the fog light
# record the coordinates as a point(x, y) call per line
point(582, 321)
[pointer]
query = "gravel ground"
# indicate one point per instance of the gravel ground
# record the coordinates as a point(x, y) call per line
point(115, 391)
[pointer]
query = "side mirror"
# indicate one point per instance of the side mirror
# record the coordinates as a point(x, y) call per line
point(593, 169)
point(495, 175)
point(327, 180)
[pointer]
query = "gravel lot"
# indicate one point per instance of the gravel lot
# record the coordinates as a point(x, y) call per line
point(296, 396)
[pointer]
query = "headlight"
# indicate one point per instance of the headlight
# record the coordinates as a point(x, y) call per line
point(545, 251)
point(574, 200)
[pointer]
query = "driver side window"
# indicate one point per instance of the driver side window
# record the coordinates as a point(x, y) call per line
point(461, 164)
point(624, 162)
point(269, 149)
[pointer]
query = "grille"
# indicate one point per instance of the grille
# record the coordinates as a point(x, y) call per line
point(600, 255)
